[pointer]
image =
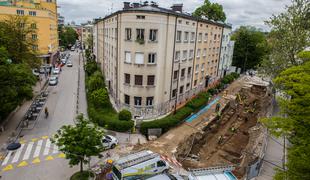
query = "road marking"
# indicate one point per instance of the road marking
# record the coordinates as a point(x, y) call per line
point(38, 148)
point(34, 139)
point(55, 149)
point(22, 141)
point(6, 160)
point(49, 158)
point(17, 154)
point(61, 155)
point(36, 160)
point(44, 137)
point(23, 163)
point(7, 168)
point(28, 151)
point(47, 147)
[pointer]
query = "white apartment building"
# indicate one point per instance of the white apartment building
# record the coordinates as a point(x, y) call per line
point(227, 51)
point(87, 32)
point(149, 56)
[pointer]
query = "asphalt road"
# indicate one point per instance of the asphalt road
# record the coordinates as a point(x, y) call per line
point(38, 158)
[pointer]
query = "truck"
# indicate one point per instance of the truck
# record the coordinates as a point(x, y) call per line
point(138, 165)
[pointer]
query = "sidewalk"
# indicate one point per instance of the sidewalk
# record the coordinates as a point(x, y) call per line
point(16, 116)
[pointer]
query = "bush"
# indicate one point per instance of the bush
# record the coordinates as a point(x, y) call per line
point(91, 67)
point(212, 91)
point(100, 98)
point(95, 81)
point(85, 175)
point(124, 115)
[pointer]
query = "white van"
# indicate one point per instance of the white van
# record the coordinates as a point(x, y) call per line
point(137, 165)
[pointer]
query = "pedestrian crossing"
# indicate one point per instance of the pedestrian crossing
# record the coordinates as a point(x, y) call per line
point(32, 152)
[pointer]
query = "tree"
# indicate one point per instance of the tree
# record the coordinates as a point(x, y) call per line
point(89, 42)
point(289, 35)
point(294, 120)
point(95, 81)
point(212, 11)
point(16, 36)
point(67, 36)
point(100, 97)
point(79, 142)
point(91, 67)
point(250, 47)
point(124, 115)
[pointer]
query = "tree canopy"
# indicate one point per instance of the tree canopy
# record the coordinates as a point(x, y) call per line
point(212, 11)
point(289, 35)
point(79, 142)
point(250, 47)
point(67, 36)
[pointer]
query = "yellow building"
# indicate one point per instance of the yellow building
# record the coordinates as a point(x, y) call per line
point(42, 14)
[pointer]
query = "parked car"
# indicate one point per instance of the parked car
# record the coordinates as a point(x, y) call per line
point(56, 71)
point(72, 48)
point(53, 81)
point(109, 142)
point(69, 64)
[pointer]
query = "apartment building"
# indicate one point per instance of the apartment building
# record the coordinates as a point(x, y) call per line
point(86, 34)
point(154, 58)
point(227, 51)
point(61, 20)
point(42, 14)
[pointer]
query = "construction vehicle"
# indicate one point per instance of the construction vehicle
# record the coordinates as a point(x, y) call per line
point(139, 165)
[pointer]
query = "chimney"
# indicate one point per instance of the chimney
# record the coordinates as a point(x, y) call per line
point(126, 5)
point(136, 5)
point(154, 4)
point(145, 3)
point(177, 7)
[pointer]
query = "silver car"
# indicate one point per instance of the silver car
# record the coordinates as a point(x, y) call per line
point(53, 81)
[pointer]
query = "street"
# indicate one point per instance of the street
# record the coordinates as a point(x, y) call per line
point(38, 158)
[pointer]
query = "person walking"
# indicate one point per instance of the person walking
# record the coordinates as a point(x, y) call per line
point(46, 112)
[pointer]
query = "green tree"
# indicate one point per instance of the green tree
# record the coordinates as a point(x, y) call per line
point(250, 47)
point(212, 11)
point(124, 115)
point(79, 142)
point(294, 120)
point(95, 81)
point(16, 36)
point(100, 97)
point(67, 36)
point(91, 67)
point(289, 35)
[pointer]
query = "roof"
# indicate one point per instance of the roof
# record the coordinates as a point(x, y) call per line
point(213, 173)
point(135, 158)
point(156, 9)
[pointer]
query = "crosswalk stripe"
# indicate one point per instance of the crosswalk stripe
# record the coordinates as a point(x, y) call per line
point(47, 147)
point(5, 161)
point(28, 151)
point(17, 154)
point(55, 149)
point(38, 148)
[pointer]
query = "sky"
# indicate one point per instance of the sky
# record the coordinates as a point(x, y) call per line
point(238, 12)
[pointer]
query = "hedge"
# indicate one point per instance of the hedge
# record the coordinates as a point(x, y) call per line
point(105, 116)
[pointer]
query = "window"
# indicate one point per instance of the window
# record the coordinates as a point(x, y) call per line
point(192, 37)
point(181, 89)
point(179, 36)
point(197, 68)
point(140, 34)
point(139, 58)
point(180, 21)
point(32, 13)
point(199, 37)
point(153, 34)
point(20, 12)
point(189, 70)
point(149, 101)
point(191, 54)
point(204, 52)
point(185, 36)
point(198, 53)
point(202, 66)
point(34, 26)
point(128, 34)
point(182, 72)
point(127, 78)
point(35, 47)
point(195, 82)
point(177, 56)
point(187, 22)
point(152, 58)
point(187, 86)
point(150, 80)
point(206, 37)
point(140, 17)
point(138, 101)
point(175, 74)
point(34, 36)
point(127, 99)
point(127, 57)
point(138, 80)
point(174, 93)
point(184, 55)
point(214, 36)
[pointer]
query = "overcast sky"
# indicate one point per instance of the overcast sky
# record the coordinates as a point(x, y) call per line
point(238, 12)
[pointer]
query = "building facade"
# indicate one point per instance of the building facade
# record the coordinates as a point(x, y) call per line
point(61, 20)
point(155, 59)
point(42, 14)
point(87, 32)
point(227, 51)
